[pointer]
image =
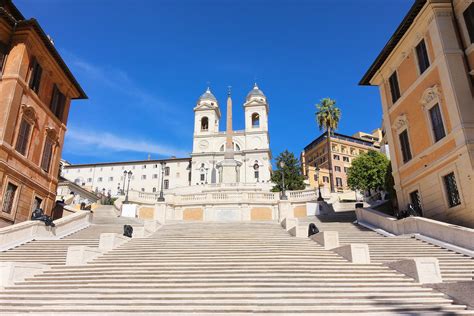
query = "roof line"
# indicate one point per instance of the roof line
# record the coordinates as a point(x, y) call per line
point(392, 42)
point(123, 162)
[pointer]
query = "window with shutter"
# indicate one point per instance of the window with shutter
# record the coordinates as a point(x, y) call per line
point(9, 198)
point(405, 146)
point(437, 123)
point(23, 137)
point(422, 55)
point(394, 88)
point(36, 72)
point(58, 102)
point(47, 153)
point(469, 20)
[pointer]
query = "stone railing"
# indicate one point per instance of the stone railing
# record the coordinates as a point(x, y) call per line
point(225, 196)
point(448, 233)
point(305, 195)
point(18, 234)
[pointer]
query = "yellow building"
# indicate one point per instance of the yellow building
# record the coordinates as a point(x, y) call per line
point(425, 76)
point(344, 148)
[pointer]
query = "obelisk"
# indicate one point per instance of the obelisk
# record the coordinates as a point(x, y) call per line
point(229, 165)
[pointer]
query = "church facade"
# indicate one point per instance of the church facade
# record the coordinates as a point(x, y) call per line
point(251, 146)
point(250, 154)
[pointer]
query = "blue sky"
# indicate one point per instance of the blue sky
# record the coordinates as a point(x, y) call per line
point(144, 63)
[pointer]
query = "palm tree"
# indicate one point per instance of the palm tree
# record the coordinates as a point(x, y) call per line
point(327, 117)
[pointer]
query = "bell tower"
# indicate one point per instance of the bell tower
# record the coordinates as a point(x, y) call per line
point(256, 111)
point(206, 114)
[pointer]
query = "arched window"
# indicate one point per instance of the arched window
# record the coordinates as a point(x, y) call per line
point(204, 124)
point(255, 120)
point(236, 147)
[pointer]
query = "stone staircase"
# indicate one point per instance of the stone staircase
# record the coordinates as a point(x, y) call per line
point(217, 268)
point(454, 266)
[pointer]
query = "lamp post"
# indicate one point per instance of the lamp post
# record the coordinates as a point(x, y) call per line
point(283, 193)
point(161, 198)
point(129, 174)
point(320, 197)
point(124, 177)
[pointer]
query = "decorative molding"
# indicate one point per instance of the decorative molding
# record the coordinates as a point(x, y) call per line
point(29, 113)
point(429, 95)
point(401, 122)
point(52, 134)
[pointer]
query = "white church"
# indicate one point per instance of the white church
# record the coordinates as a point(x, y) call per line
point(231, 157)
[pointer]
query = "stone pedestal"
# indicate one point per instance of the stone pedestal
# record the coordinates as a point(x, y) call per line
point(129, 210)
point(355, 253)
point(327, 239)
point(229, 169)
point(11, 272)
point(80, 255)
point(110, 241)
point(423, 269)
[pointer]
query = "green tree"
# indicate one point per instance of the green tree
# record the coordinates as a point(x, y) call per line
point(368, 171)
point(294, 180)
point(327, 117)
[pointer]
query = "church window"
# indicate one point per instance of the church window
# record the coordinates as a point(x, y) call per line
point(203, 176)
point(167, 171)
point(255, 120)
point(204, 124)
point(167, 184)
point(154, 190)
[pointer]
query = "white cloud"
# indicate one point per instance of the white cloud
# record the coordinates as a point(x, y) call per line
point(81, 140)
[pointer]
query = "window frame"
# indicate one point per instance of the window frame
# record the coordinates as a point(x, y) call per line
point(166, 184)
point(23, 118)
point(10, 216)
point(447, 193)
point(52, 142)
point(34, 82)
point(401, 146)
point(397, 96)
point(420, 71)
point(469, 31)
point(443, 128)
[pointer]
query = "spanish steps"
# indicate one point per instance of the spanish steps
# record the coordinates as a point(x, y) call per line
point(203, 268)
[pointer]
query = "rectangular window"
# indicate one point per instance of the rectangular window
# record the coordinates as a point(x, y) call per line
point(336, 157)
point(144, 167)
point(422, 55)
point(111, 178)
point(452, 190)
point(155, 176)
point(36, 203)
point(338, 182)
point(325, 179)
point(469, 20)
point(23, 137)
point(416, 201)
point(100, 179)
point(3, 53)
point(256, 174)
point(394, 88)
point(167, 171)
point(337, 168)
point(9, 198)
point(346, 169)
point(47, 154)
point(405, 146)
point(58, 102)
point(203, 176)
point(437, 123)
point(167, 184)
point(89, 180)
point(144, 177)
point(346, 159)
point(35, 78)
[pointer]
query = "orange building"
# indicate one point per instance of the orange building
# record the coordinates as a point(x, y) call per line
point(36, 88)
point(425, 76)
point(343, 150)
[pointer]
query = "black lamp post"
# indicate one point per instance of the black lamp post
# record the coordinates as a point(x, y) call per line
point(320, 197)
point(161, 198)
point(129, 174)
point(124, 178)
point(283, 193)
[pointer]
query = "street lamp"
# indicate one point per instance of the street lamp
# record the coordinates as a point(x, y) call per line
point(283, 193)
point(320, 197)
point(161, 198)
point(124, 177)
point(125, 174)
